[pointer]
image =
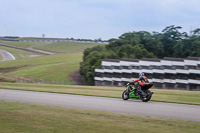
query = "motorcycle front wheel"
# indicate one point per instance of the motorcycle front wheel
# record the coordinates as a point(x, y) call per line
point(147, 97)
point(125, 95)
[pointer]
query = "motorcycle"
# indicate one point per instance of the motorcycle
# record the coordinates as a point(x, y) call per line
point(142, 92)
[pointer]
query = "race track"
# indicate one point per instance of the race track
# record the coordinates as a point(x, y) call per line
point(6, 55)
point(154, 109)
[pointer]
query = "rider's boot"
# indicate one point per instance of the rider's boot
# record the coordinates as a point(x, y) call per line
point(135, 92)
point(140, 92)
point(129, 89)
point(143, 94)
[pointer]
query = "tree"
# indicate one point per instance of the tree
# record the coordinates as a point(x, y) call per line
point(92, 59)
point(170, 37)
point(196, 32)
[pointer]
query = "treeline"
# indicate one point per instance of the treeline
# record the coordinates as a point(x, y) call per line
point(170, 43)
point(88, 40)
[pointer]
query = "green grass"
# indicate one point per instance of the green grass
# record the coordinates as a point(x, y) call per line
point(67, 47)
point(52, 67)
point(1, 57)
point(173, 96)
point(46, 59)
point(188, 97)
point(31, 118)
point(56, 67)
point(40, 38)
point(23, 44)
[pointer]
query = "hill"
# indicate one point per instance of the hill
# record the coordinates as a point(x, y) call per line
point(55, 68)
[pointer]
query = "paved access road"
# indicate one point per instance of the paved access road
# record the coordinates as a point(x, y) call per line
point(6, 55)
point(154, 109)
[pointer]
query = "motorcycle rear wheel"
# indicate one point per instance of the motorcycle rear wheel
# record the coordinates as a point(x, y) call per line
point(125, 95)
point(147, 97)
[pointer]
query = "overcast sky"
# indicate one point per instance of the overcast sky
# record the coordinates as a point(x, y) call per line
point(94, 19)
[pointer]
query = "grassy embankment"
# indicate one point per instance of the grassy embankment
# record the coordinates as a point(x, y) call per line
point(1, 57)
point(56, 67)
point(161, 95)
point(30, 118)
point(23, 44)
point(40, 38)
point(64, 47)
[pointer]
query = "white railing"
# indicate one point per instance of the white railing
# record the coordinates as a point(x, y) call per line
point(146, 71)
point(126, 79)
point(169, 81)
point(107, 79)
point(126, 71)
point(158, 71)
point(117, 71)
point(99, 70)
point(108, 70)
point(98, 78)
point(182, 81)
point(182, 71)
point(157, 80)
point(193, 81)
point(116, 79)
point(169, 71)
point(194, 71)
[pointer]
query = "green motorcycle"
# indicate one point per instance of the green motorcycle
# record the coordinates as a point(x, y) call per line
point(142, 92)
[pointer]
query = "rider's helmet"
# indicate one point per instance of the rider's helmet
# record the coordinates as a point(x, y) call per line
point(141, 74)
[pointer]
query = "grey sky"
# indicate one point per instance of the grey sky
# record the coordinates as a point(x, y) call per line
point(94, 18)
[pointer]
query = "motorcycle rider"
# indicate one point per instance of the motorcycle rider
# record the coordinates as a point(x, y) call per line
point(143, 81)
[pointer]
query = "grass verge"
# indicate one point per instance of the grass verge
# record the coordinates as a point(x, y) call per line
point(1, 58)
point(173, 96)
point(30, 118)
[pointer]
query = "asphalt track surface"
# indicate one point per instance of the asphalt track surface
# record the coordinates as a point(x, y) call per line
point(134, 107)
point(6, 55)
